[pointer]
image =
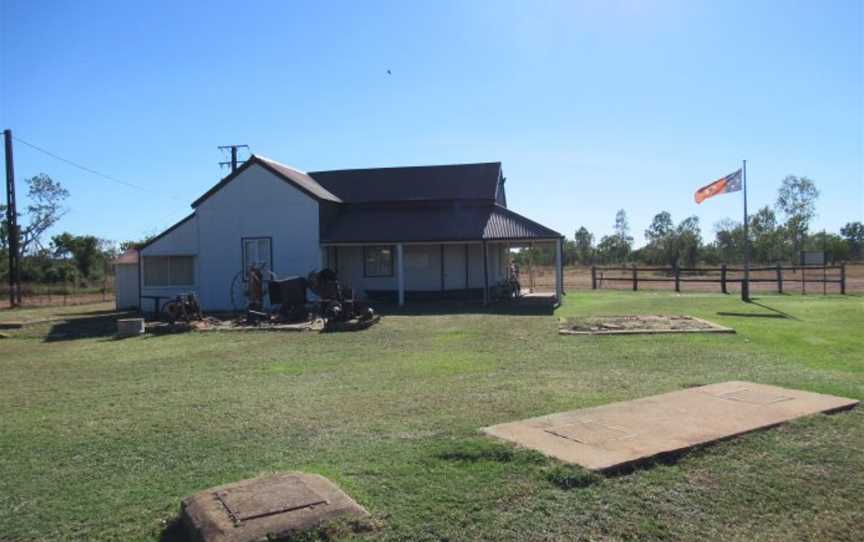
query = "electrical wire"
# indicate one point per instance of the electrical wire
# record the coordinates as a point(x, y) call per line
point(91, 170)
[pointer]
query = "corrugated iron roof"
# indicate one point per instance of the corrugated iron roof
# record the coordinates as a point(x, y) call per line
point(432, 223)
point(302, 179)
point(128, 257)
point(506, 224)
point(288, 174)
point(421, 183)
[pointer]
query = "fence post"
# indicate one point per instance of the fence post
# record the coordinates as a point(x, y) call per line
point(723, 279)
point(677, 278)
point(635, 279)
point(803, 280)
point(593, 277)
point(779, 279)
point(843, 278)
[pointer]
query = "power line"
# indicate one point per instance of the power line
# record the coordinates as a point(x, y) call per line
point(91, 170)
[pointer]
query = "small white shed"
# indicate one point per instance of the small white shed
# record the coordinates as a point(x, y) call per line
point(126, 283)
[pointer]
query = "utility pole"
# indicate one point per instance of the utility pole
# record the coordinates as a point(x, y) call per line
point(745, 284)
point(11, 221)
point(233, 163)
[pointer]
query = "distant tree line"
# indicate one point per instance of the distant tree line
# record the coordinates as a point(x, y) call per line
point(82, 260)
point(777, 235)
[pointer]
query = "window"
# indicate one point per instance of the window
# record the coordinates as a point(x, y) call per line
point(257, 251)
point(169, 270)
point(378, 261)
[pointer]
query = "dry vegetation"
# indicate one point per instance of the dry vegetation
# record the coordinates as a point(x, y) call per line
point(579, 278)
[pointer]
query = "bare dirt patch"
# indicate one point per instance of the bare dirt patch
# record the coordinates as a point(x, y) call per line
point(635, 324)
point(240, 323)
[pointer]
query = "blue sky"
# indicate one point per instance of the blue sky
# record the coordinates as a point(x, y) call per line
point(591, 106)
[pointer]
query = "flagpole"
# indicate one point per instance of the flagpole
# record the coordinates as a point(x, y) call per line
point(745, 285)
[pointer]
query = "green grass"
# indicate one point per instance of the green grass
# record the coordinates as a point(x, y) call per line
point(100, 439)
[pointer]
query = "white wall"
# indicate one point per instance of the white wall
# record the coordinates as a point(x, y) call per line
point(182, 241)
point(454, 267)
point(126, 286)
point(349, 268)
point(423, 267)
point(255, 204)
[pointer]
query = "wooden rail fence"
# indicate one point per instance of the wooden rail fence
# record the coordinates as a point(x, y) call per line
point(680, 275)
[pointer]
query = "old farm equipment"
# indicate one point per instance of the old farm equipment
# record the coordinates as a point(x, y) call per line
point(332, 304)
point(336, 305)
point(183, 308)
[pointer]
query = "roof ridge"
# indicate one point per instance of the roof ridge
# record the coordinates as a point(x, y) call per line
point(428, 166)
point(278, 163)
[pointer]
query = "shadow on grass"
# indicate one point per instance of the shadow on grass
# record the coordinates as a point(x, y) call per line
point(772, 309)
point(174, 531)
point(484, 450)
point(105, 312)
point(437, 308)
point(82, 328)
point(774, 313)
point(751, 315)
point(572, 477)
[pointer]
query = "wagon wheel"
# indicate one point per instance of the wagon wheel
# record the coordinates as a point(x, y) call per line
point(239, 293)
point(173, 311)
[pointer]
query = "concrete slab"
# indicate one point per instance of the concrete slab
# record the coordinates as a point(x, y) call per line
point(612, 436)
point(271, 508)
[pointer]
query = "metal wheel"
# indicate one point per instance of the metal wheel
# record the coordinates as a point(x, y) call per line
point(239, 293)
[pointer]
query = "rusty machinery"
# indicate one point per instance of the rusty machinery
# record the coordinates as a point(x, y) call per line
point(289, 302)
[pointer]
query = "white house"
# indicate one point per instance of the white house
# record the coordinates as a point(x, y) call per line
point(402, 233)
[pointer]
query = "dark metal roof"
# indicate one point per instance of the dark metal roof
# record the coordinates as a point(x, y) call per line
point(432, 223)
point(421, 183)
point(288, 174)
point(506, 224)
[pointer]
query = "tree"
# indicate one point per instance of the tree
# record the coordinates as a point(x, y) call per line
point(616, 247)
point(796, 200)
point(836, 248)
point(126, 245)
point(44, 210)
point(584, 246)
point(568, 249)
point(622, 228)
point(766, 239)
point(688, 241)
point(660, 235)
point(729, 241)
point(853, 233)
point(611, 250)
point(85, 251)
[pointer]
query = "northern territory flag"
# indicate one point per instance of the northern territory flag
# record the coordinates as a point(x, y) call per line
point(729, 183)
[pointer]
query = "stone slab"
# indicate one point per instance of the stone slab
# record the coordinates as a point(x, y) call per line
point(271, 508)
point(616, 435)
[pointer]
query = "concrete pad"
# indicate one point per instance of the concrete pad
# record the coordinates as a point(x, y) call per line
point(271, 508)
point(619, 434)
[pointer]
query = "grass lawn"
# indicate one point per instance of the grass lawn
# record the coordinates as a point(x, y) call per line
point(100, 439)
